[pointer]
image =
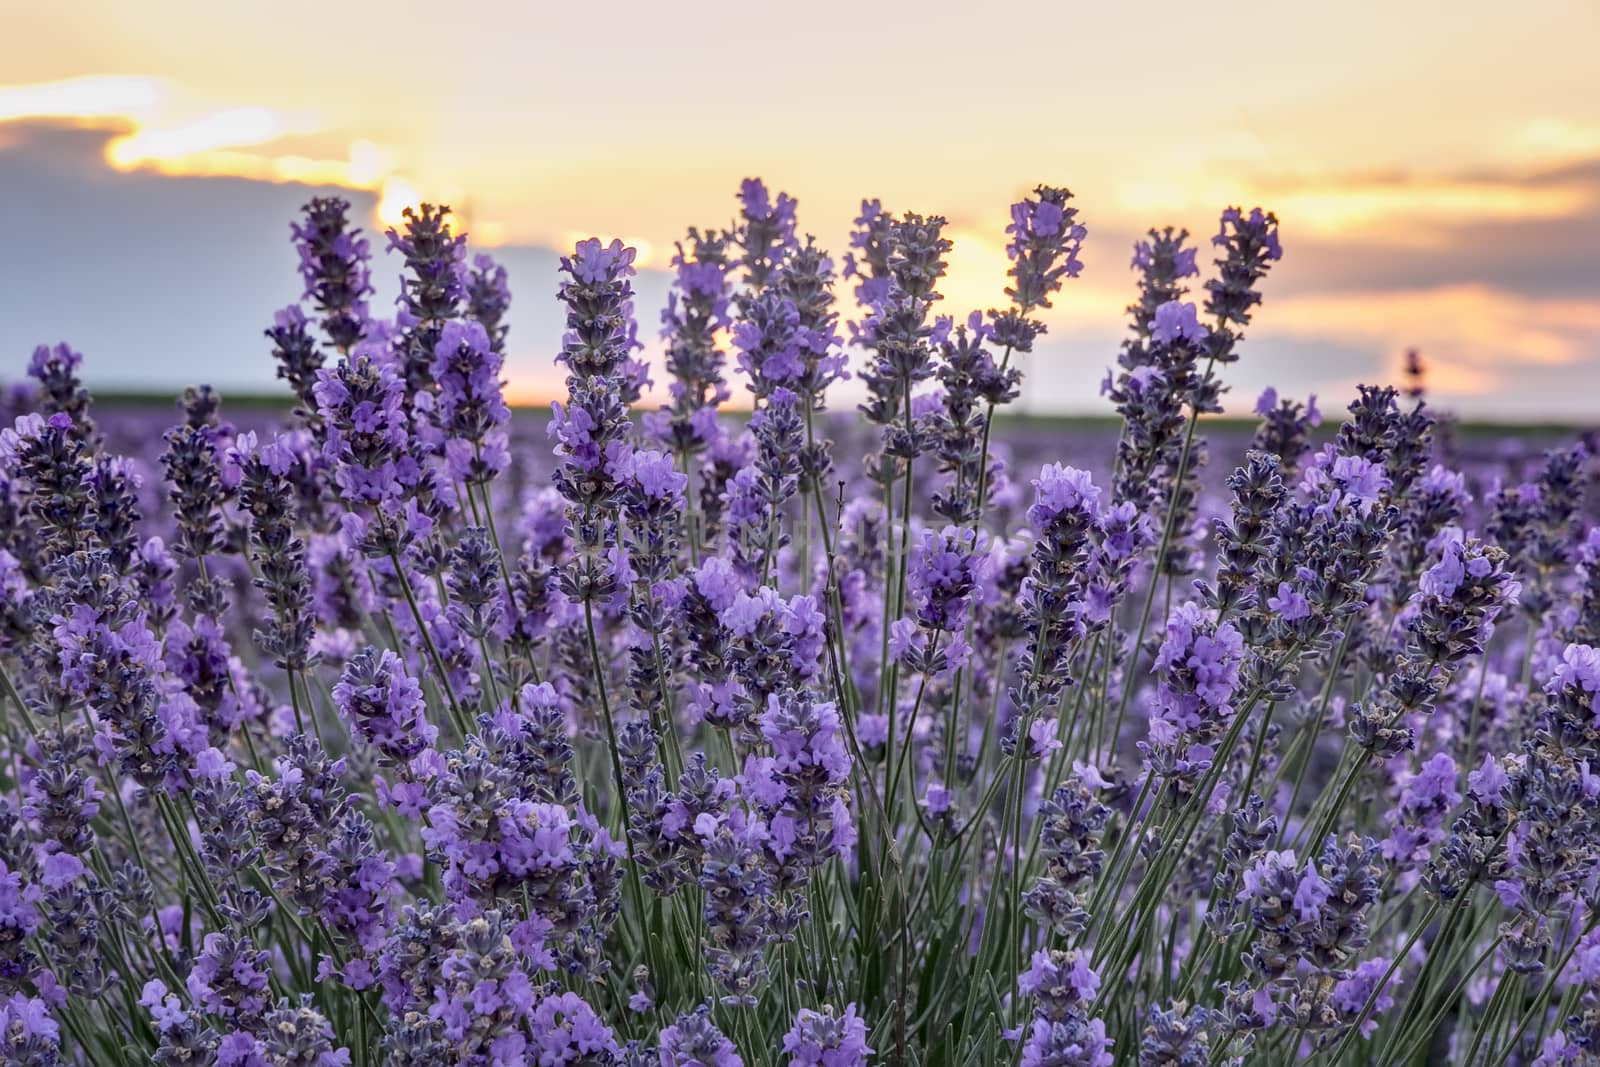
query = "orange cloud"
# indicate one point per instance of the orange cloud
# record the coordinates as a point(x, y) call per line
point(1548, 140)
point(1393, 209)
point(1337, 210)
point(1473, 336)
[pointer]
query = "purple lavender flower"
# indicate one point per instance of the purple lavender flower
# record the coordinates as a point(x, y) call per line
point(738, 908)
point(1072, 820)
point(567, 1030)
point(28, 1034)
point(1309, 919)
point(801, 788)
point(484, 996)
point(806, 281)
point(696, 311)
point(1245, 540)
point(973, 384)
point(279, 555)
point(1178, 1036)
point(898, 335)
point(1199, 666)
point(296, 1033)
point(115, 484)
point(61, 392)
point(827, 1039)
point(194, 474)
point(294, 813)
point(19, 919)
point(592, 427)
point(489, 298)
point(1417, 822)
point(384, 705)
point(1285, 428)
point(362, 403)
point(1351, 994)
point(758, 492)
point(1045, 241)
point(775, 645)
point(1067, 1042)
point(476, 586)
point(1061, 981)
point(1455, 607)
point(694, 1041)
point(944, 578)
point(1064, 512)
point(109, 658)
point(1251, 246)
point(765, 234)
point(470, 409)
point(431, 291)
point(1175, 320)
point(768, 339)
point(229, 978)
point(333, 265)
point(297, 355)
point(61, 801)
point(1162, 262)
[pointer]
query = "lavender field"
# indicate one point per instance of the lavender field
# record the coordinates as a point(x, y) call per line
point(707, 720)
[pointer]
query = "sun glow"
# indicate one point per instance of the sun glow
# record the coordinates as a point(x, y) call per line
point(395, 196)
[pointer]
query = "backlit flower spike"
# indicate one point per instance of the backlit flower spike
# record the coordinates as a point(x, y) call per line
point(334, 259)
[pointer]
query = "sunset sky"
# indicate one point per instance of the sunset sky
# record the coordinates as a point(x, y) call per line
point(1436, 166)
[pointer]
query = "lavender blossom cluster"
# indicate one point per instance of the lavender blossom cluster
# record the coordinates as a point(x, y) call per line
point(383, 732)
